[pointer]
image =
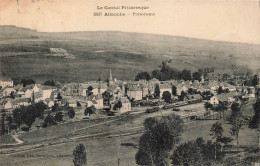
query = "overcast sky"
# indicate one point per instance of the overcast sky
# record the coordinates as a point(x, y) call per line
point(226, 20)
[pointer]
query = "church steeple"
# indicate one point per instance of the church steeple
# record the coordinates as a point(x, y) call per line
point(110, 76)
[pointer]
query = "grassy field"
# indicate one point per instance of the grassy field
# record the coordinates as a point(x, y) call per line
point(25, 53)
point(117, 140)
point(6, 139)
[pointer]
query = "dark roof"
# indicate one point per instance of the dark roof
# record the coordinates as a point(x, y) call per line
point(196, 96)
point(225, 96)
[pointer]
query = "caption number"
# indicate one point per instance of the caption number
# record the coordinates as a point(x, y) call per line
point(97, 14)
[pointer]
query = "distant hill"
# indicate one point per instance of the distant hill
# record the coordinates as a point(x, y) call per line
point(24, 53)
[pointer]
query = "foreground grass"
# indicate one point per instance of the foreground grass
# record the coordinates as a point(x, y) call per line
point(109, 150)
point(6, 139)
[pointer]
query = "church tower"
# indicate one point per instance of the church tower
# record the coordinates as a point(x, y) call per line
point(110, 78)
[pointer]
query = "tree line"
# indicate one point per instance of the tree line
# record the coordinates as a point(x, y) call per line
point(165, 72)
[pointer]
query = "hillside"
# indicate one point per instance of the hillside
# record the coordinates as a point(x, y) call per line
point(26, 53)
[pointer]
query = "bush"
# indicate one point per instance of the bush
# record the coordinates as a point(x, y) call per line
point(79, 156)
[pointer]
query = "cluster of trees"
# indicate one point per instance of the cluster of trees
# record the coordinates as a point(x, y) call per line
point(26, 82)
point(220, 90)
point(27, 115)
point(205, 71)
point(196, 153)
point(58, 117)
point(166, 72)
point(49, 83)
point(237, 121)
point(251, 81)
point(201, 152)
point(159, 138)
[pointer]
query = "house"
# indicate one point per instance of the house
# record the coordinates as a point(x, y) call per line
point(71, 89)
point(4, 82)
point(71, 103)
point(134, 92)
point(7, 91)
point(225, 98)
point(18, 87)
point(97, 88)
point(21, 102)
point(193, 98)
point(49, 102)
point(181, 88)
point(96, 101)
point(165, 88)
point(36, 88)
point(145, 90)
point(7, 104)
point(231, 88)
point(26, 92)
point(37, 97)
point(213, 86)
point(115, 91)
point(242, 89)
point(251, 92)
point(46, 92)
point(126, 105)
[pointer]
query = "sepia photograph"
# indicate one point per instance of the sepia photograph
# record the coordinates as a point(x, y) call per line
point(129, 82)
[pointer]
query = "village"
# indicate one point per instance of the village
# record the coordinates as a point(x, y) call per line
point(99, 99)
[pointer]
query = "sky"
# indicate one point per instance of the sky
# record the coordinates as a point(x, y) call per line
point(224, 20)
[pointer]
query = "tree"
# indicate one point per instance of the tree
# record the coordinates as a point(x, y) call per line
point(236, 120)
point(17, 116)
point(183, 94)
point(79, 155)
point(221, 108)
point(216, 132)
point(71, 113)
point(255, 121)
point(59, 97)
point(220, 90)
point(166, 96)
point(3, 123)
point(39, 109)
point(211, 151)
point(186, 74)
point(26, 82)
point(28, 116)
point(225, 76)
point(158, 75)
point(160, 136)
point(59, 117)
point(10, 120)
point(49, 83)
point(157, 91)
point(142, 76)
point(49, 121)
point(255, 80)
point(90, 110)
point(196, 76)
point(106, 97)
point(174, 90)
point(118, 105)
point(207, 106)
point(89, 91)
point(187, 154)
